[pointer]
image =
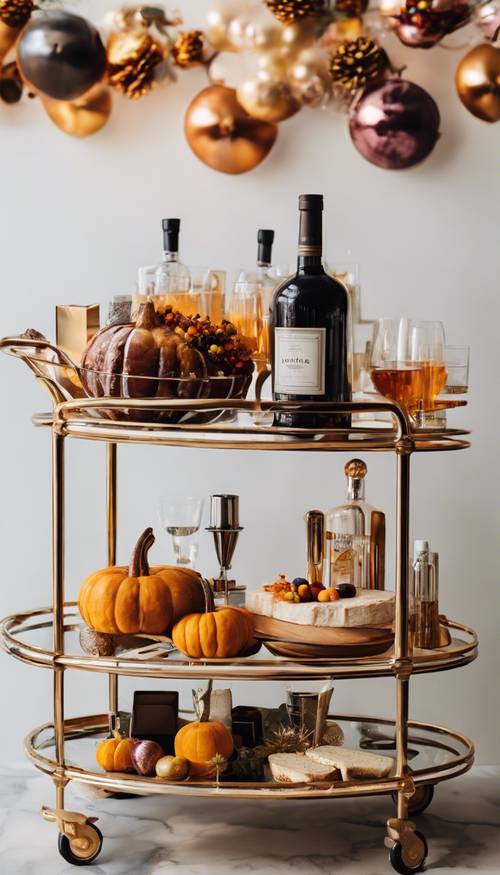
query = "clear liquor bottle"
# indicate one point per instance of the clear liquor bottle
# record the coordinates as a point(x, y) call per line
point(172, 277)
point(355, 533)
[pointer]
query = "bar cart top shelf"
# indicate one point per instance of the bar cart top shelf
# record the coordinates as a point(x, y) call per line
point(219, 417)
point(245, 425)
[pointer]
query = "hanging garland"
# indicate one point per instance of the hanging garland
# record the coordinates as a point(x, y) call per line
point(265, 59)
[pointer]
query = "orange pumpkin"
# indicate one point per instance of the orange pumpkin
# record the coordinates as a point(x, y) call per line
point(115, 754)
point(117, 600)
point(223, 633)
point(200, 742)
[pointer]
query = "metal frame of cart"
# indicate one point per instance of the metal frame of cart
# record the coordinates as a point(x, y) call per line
point(80, 840)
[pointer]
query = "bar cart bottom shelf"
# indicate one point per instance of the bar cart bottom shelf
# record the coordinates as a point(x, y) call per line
point(435, 754)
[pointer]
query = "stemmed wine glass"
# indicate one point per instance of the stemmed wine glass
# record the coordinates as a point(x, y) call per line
point(407, 364)
point(181, 517)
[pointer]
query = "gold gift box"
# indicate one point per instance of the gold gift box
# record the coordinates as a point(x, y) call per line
point(75, 325)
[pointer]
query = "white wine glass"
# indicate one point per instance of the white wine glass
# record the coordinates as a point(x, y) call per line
point(181, 517)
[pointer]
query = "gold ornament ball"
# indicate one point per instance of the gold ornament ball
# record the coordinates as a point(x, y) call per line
point(263, 32)
point(84, 116)
point(310, 77)
point(8, 36)
point(223, 135)
point(268, 98)
point(219, 18)
point(478, 82)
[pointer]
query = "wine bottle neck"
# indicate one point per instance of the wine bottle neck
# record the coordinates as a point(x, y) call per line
point(310, 250)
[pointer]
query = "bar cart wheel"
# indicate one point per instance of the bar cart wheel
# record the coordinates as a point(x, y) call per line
point(407, 847)
point(83, 849)
point(420, 800)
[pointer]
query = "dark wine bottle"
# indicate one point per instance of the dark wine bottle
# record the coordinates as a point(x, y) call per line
point(265, 240)
point(309, 337)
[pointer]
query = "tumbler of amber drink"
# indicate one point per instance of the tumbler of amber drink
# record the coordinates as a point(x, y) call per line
point(244, 310)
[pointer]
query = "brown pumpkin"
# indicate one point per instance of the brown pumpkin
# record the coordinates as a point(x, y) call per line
point(115, 754)
point(127, 360)
point(118, 600)
point(222, 634)
point(199, 742)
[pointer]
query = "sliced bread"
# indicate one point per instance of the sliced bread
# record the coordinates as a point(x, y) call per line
point(352, 763)
point(291, 768)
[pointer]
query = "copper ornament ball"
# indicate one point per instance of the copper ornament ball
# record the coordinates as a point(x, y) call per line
point(478, 82)
point(61, 55)
point(84, 116)
point(394, 125)
point(223, 135)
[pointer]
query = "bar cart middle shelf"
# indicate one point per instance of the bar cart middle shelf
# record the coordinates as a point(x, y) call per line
point(64, 749)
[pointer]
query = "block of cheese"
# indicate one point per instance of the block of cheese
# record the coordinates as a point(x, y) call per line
point(370, 607)
point(291, 768)
point(352, 763)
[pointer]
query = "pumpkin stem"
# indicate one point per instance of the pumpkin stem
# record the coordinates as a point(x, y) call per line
point(148, 317)
point(139, 566)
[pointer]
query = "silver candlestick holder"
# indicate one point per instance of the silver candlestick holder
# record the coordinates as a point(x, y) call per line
point(225, 527)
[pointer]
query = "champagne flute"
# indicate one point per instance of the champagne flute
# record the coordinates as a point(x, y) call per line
point(181, 517)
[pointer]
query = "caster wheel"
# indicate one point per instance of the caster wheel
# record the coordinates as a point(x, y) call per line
point(84, 849)
point(401, 862)
point(420, 800)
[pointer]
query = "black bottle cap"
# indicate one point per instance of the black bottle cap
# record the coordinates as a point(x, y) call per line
point(171, 229)
point(310, 202)
point(265, 240)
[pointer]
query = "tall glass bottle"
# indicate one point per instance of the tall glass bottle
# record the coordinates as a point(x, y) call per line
point(309, 331)
point(355, 535)
point(172, 277)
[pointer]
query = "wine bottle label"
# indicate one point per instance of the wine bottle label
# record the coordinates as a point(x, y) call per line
point(299, 361)
point(342, 559)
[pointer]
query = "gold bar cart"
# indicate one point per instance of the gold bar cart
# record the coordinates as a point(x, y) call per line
point(425, 754)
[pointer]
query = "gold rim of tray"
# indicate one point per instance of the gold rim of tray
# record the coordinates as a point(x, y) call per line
point(84, 727)
point(461, 651)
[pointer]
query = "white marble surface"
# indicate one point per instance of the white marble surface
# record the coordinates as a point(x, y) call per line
point(185, 837)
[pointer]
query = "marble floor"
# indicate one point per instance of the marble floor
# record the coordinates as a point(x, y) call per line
point(343, 837)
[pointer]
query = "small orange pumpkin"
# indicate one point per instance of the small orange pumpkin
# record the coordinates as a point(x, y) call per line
point(223, 633)
point(199, 742)
point(117, 600)
point(115, 754)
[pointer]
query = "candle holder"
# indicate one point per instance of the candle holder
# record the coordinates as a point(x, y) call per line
point(224, 525)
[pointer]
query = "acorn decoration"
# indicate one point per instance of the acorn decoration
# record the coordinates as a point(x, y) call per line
point(293, 10)
point(189, 48)
point(15, 13)
point(133, 58)
point(357, 62)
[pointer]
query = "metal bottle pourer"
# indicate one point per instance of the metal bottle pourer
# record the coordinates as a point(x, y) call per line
point(225, 527)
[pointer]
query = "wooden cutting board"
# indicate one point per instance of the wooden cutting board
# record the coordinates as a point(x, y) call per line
point(269, 627)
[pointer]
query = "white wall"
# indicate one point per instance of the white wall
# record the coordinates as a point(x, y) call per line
point(77, 218)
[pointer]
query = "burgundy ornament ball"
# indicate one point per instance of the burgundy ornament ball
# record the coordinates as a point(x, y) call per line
point(61, 54)
point(394, 125)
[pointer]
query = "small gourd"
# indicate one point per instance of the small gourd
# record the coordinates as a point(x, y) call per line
point(115, 754)
point(140, 599)
point(214, 634)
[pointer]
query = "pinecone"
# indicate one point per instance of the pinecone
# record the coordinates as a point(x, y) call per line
point(189, 48)
point(15, 13)
point(358, 62)
point(294, 10)
point(132, 60)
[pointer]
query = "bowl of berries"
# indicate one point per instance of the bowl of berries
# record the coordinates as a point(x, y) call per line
point(166, 356)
